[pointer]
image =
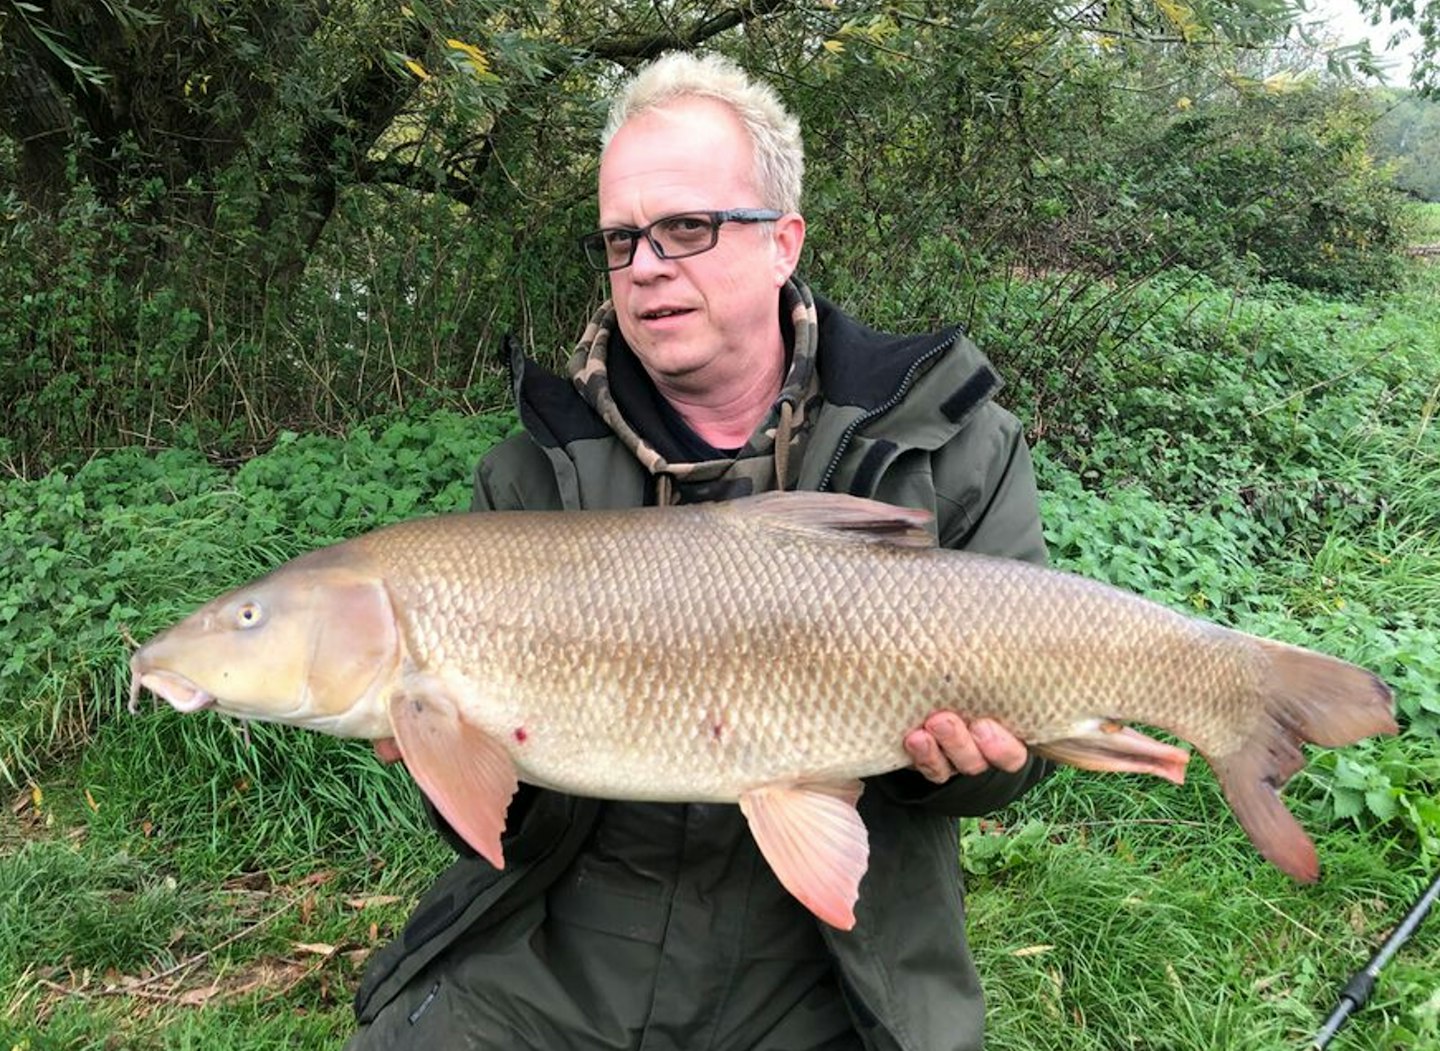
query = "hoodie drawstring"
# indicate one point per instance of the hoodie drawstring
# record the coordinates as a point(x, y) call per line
point(782, 444)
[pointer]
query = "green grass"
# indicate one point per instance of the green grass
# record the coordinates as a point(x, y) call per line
point(1425, 219)
point(1143, 919)
point(1270, 460)
point(178, 887)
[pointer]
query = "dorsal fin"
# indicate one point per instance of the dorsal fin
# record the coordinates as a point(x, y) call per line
point(838, 515)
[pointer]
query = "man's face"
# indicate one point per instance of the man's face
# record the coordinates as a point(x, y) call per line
point(696, 323)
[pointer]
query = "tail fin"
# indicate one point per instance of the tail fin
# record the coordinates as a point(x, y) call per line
point(1307, 697)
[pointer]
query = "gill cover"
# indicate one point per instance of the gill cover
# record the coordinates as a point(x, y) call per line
point(355, 642)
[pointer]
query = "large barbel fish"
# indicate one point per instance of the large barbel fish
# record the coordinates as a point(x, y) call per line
point(769, 651)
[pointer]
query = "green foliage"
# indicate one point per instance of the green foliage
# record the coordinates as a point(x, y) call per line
point(1262, 461)
point(167, 272)
point(89, 363)
point(129, 541)
point(252, 1024)
point(1264, 458)
point(1276, 185)
point(1140, 930)
point(1425, 223)
point(1421, 21)
point(1035, 149)
point(118, 916)
point(308, 214)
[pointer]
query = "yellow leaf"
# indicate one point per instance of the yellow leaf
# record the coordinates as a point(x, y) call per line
point(834, 46)
point(90, 800)
point(37, 797)
point(315, 948)
point(1181, 16)
point(1281, 83)
point(373, 900)
point(1183, 103)
point(405, 10)
point(477, 57)
point(1032, 950)
point(417, 69)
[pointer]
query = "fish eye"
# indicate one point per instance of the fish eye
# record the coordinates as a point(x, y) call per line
point(249, 615)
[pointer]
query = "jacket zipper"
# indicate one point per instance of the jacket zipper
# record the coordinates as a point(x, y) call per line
point(880, 410)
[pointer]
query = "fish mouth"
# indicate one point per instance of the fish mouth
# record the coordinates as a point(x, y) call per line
point(182, 694)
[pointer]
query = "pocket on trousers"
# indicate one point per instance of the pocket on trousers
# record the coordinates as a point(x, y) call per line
point(579, 899)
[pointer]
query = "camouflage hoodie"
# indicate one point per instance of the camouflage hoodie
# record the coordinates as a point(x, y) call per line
point(763, 463)
point(905, 419)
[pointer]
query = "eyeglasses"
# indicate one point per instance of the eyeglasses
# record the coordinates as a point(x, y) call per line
point(673, 237)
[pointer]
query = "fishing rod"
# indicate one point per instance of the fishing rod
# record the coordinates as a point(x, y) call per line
point(1357, 990)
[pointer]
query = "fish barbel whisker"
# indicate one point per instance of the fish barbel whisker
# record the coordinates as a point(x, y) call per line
point(135, 686)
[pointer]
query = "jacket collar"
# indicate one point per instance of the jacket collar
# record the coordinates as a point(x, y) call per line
point(857, 366)
point(881, 397)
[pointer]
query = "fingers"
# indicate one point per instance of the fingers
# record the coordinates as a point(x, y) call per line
point(387, 751)
point(925, 754)
point(957, 743)
point(945, 746)
point(999, 746)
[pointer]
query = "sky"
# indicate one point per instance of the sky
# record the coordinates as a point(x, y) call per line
point(1350, 26)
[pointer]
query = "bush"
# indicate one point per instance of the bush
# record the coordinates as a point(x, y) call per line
point(129, 542)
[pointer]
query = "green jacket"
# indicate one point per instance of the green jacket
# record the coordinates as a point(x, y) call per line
point(906, 420)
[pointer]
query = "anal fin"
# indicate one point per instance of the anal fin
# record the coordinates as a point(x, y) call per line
point(815, 841)
point(464, 771)
point(1107, 746)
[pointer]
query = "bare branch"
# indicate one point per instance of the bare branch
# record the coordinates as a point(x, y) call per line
point(640, 48)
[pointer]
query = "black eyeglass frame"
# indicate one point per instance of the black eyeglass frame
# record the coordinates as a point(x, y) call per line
point(598, 256)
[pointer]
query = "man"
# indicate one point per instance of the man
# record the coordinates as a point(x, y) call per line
point(713, 373)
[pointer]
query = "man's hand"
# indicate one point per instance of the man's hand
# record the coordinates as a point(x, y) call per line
point(945, 746)
point(387, 750)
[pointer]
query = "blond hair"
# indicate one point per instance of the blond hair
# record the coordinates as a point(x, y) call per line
point(779, 153)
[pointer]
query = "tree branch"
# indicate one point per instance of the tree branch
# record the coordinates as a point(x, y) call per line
point(640, 48)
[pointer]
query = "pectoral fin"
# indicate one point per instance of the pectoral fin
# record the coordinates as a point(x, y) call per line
point(814, 839)
point(464, 771)
point(1108, 746)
